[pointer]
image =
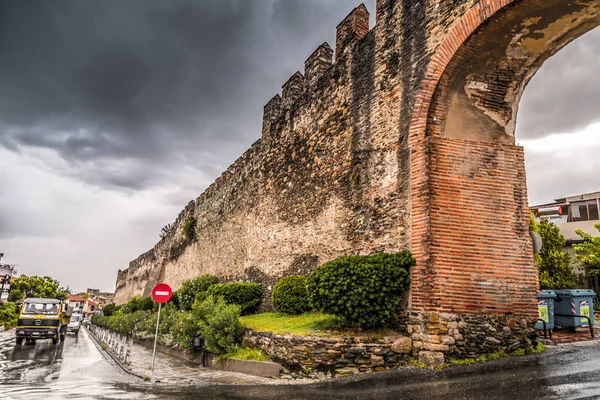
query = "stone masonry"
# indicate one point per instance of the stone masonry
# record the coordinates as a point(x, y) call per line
point(404, 138)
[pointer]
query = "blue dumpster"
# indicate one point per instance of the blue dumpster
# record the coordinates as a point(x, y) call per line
point(571, 303)
point(546, 309)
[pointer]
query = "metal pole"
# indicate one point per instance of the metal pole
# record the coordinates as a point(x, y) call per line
point(156, 337)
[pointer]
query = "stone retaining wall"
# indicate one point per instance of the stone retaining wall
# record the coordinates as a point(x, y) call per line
point(320, 357)
point(439, 337)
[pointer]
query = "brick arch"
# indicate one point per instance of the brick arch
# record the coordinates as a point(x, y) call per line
point(463, 157)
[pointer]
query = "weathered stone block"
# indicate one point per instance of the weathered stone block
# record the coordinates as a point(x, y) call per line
point(431, 358)
point(402, 345)
point(377, 361)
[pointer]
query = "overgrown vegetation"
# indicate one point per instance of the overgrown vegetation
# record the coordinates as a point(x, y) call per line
point(247, 295)
point(290, 295)
point(8, 315)
point(189, 290)
point(189, 228)
point(365, 290)
point(281, 324)
point(554, 263)
point(217, 322)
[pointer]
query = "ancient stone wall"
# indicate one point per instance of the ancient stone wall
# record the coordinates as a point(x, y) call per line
point(405, 141)
point(328, 177)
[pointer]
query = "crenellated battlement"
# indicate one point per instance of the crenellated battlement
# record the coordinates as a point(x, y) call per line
point(292, 90)
point(352, 28)
point(317, 65)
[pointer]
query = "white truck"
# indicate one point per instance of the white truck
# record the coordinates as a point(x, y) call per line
point(75, 323)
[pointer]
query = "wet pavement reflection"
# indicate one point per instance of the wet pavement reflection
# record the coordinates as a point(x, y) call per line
point(77, 369)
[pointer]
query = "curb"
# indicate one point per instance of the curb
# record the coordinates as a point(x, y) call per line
point(115, 359)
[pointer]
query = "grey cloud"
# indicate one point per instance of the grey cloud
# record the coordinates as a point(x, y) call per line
point(162, 83)
point(563, 95)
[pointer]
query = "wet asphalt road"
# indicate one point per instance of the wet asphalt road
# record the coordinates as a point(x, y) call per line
point(77, 370)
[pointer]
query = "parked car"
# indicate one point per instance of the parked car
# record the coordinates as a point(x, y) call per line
point(74, 323)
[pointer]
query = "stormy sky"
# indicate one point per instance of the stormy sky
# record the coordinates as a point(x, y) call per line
point(114, 114)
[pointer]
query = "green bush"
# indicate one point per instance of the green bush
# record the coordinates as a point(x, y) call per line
point(8, 315)
point(189, 289)
point(290, 295)
point(101, 320)
point(145, 304)
point(247, 295)
point(189, 228)
point(219, 324)
point(129, 323)
point(365, 290)
point(175, 299)
point(108, 310)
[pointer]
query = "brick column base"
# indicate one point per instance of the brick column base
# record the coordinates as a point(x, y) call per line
point(440, 337)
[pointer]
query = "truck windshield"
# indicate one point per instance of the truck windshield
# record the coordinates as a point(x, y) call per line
point(40, 308)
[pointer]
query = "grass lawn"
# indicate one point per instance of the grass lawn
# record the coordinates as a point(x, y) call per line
point(246, 354)
point(282, 324)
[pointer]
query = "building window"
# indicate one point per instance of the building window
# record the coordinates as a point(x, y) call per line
point(584, 211)
point(593, 210)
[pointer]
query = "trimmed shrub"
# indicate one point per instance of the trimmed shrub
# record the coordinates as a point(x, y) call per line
point(175, 299)
point(189, 289)
point(108, 310)
point(247, 295)
point(145, 304)
point(219, 324)
point(365, 290)
point(290, 295)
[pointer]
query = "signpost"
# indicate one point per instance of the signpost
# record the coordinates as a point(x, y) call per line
point(160, 294)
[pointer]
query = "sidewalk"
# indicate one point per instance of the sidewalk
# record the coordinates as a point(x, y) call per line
point(173, 370)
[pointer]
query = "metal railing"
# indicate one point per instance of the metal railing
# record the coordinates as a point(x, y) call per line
point(119, 345)
point(579, 316)
point(545, 330)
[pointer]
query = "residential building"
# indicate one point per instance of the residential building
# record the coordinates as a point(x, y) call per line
point(77, 303)
point(7, 275)
point(573, 213)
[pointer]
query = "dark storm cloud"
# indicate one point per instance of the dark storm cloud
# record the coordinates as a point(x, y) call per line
point(563, 95)
point(160, 82)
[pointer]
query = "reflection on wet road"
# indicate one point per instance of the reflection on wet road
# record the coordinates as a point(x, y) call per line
point(78, 370)
point(73, 369)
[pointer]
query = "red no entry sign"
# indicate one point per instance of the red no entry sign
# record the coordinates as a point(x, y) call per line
point(161, 293)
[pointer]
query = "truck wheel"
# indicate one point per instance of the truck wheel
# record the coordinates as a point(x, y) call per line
point(62, 337)
point(19, 341)
point(54, 340)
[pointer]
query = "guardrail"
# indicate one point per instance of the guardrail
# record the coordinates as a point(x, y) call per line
point(119, 345)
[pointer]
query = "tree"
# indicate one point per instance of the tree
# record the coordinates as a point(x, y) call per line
point(166, 230)
point(591, 251)
point(35, 286)
point(554, 263)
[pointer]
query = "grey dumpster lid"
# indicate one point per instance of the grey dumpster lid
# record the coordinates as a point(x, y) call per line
point(575, 292)
point(546, 294)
